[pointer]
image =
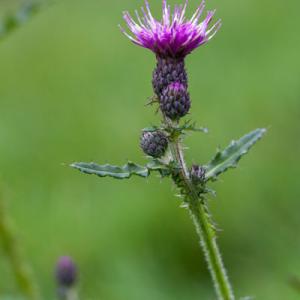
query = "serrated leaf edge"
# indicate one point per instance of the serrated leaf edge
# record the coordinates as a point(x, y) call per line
point(210, 173)
point(125, 172)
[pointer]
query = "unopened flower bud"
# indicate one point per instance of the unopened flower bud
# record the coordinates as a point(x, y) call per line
point(66, 272)
point(168, 70)
point(198, 174)
point(154, 143)
point(175, 101)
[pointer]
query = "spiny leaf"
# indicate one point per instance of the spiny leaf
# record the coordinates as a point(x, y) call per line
point(125, 171)
point(192, 126)
point(117, 172)
point(178, 130)
point(229, 157)
point(152, 128)
point(157, 165)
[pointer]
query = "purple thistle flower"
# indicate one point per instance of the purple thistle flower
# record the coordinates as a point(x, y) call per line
point(66, 272)
point(174, 36)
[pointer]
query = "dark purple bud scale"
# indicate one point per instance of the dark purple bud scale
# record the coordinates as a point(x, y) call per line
point(66, 272)
point(154, 143)
point(168, 70)
point(175, 101)
point(198, 174)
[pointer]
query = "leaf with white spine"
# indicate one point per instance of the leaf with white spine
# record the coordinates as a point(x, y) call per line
point(108, 170)
point(229, 157)
point(123, 172)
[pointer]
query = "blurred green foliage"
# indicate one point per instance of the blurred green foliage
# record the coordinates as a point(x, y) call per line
point(74, 89)
point(12, 252)
point(11, 22)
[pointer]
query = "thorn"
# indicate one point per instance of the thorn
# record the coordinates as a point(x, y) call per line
point(152, 100)
point(184, 205)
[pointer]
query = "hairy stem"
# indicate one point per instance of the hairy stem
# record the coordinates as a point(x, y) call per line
point(68, 294)
point(20, 268)
point(200, 217)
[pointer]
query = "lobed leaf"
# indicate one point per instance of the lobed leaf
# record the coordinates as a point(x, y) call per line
point(125, 171)
point(108, 170)
point(164, 169)
point(229, 157)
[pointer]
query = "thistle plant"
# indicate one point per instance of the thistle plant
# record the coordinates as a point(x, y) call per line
point(171, 39)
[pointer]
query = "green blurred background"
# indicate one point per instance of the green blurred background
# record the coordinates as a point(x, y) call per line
point(72, 88)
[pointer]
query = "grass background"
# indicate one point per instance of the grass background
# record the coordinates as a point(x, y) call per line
point(72, 88)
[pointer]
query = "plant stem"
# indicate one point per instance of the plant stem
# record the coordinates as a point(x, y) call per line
point(68, 294)
point(200, 217)
point(20, 268)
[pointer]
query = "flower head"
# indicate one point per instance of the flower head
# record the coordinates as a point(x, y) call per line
point(174, 36)
point(66, 272)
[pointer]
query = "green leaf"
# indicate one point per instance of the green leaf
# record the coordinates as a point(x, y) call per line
point(152, 129)
point(189, 126)
point(164, 169)
point(126, 171)
point(177, 130)
point(155, 165)
point(229, 157)
point(112, 171)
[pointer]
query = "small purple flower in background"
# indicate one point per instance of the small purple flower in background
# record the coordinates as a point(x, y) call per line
point(174, 36)
point(66, 275)
point(66, 272)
